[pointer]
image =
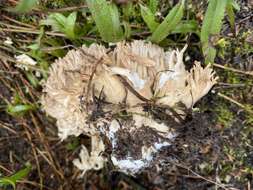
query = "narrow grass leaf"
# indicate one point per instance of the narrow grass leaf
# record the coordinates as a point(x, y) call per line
point(235, 5)
point(128, 11)
point(186, 26)
point(127, 29)
point(56, 21)
point(149, 18)
point(6, 182)
point(12, 180)
point(59, 22)
point(25, 6)
point(169, 23)
point(231, 15)
point(211, 27)
point(70, 25)
point(153, 4)
point(231, 5)
point(19, 109)
point(32, 79)
point(106, 17)
point(59, 19)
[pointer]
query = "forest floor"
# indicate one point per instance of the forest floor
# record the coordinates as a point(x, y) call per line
point(214, 148)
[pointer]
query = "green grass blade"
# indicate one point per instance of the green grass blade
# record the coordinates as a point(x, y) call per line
point(231, 5)
point(211, 27)
point(235, 5)
point(153, 4)
point(169, 23)
point(60, 20)
point(25, 6)
point(66, 25)
point(19, 109)
point(6, 182)
point(12, 180)
point(186, 26)
point(149, 18)
point(106, 17)
point(70, 25)
point(231, 16)
point(127, 29)
point(56, 21)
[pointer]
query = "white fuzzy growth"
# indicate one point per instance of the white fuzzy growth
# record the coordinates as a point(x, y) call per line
point(129, 164)
point(149, 122)
point(8, 41)
point(132, 76)
point(25, 59)
point(114, 127)
point(165, 76)
point(158, 146)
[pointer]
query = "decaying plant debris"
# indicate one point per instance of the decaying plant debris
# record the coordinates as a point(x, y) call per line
point(136, 90)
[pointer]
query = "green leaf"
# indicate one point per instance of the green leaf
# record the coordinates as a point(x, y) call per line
point(70, 25)
point(59, 22)
point(169, 23)
point(19, 109)
point(59, 19)
point(186, 26)
point(25, 6)
point(235, 5)
point(153, 4)
point(128, 10)
point(73, 144)
point(53, 42)
point(32, 79)
point(34, 46)
point(56, 21)
point(6, 182)
point(127, 29)
point(149, 18)
point(231, 16)
point(12, 180)
point(106, 17)
point(231, 5)
point(211, 28)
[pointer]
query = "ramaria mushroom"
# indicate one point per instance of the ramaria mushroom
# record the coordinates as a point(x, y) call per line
point(112, 93)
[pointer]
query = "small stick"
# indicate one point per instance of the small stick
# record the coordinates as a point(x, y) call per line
point(5, 169)
point(130, 88)
point(66, 9)
point(8, 128)
point(29, 31)
point(222, 85)
point(92, 75)
point(14, 26)
point(235, 102)
point(201, 177)
point(17, 22)
point(48, 49)
point(234, 70)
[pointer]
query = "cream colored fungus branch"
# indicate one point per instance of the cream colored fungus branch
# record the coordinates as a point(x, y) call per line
point(136, 73)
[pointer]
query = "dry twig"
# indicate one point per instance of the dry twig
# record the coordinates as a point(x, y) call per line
point(234, 70)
